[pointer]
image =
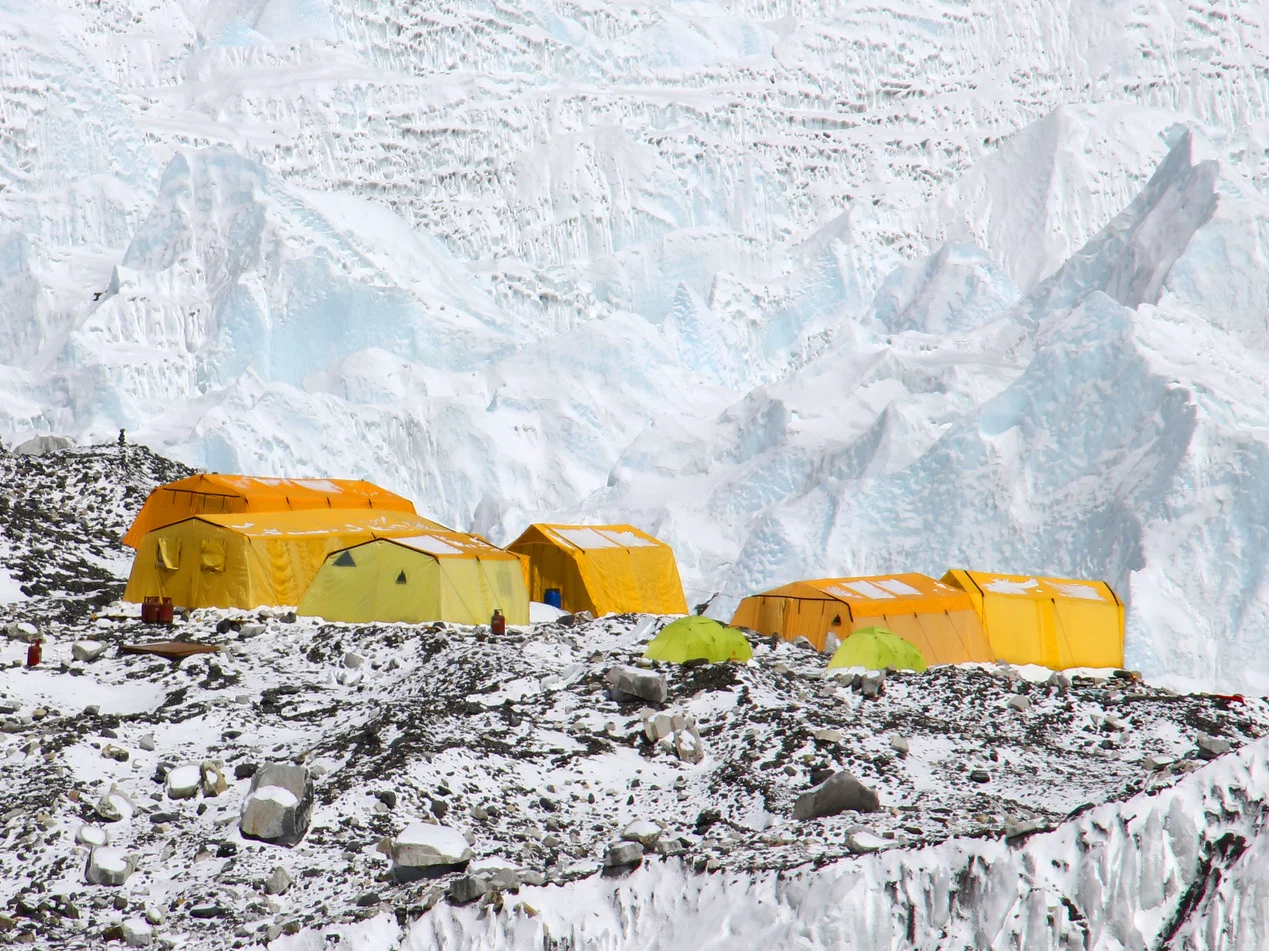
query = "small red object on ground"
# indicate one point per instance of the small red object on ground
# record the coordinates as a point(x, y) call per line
point(498, 623)
point(34, 654)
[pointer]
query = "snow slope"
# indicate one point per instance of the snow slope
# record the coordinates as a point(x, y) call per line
point(803, 288)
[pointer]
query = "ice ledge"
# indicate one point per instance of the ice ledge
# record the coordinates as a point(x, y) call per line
point(1177, 867)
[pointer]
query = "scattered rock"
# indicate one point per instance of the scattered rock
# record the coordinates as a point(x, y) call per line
point(642, 831)
point(839, 792)
point(623, 854)
point(278, 804)
point(353, 660)
point(109, 866)
point(657, 726)
point(22, 631)
point(87, 651)
point(278, 882)
point(137, 932)
point(116, 753)
point(1020, 828)
point(900, 745)
point(1060, 680)
point(213, 777)
point(828, 736)
point(91, 835)
point(423, 849)
point(873, 683)
point(979, 776)
point(831, 643)
point(861, 840)
point(147, 743)
point(1210, 747)
point(1157, 761)
point(183, 782)
point(1019, 702)
point(387, 797)
point(631, 683)
point(245, 770)
point(115, 806)
point(467, 889)
point(368, 899)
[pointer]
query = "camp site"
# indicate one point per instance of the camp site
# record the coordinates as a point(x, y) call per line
point(317, 687)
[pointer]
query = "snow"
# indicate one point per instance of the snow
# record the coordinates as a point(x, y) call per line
point(805, 293)
point(110, 859)
point(278, 794)
point(429, 544)
point(443, 839)
point(540, 613)
point(10, 588)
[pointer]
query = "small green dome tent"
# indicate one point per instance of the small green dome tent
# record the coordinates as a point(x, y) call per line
point(876, 649)
point(698, 638)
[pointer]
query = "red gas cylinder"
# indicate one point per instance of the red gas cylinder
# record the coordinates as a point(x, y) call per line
point(498, 623)
point(34, 654)
point(165, 612)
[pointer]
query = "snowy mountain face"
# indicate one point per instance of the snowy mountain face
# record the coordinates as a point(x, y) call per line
point(804, 289)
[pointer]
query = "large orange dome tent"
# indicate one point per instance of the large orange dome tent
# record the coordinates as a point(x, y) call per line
point(216, 494)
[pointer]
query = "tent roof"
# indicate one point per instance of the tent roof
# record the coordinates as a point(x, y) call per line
point(445, 544)
point(594, 537)
point(321, 522)
point(342, 493)
point(879, 594)
point(1036, 588)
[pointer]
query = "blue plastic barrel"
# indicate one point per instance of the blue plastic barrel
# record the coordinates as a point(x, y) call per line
point(552, 596)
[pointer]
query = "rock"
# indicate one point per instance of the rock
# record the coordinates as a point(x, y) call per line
point(828, 736)
point(387, 797)
point(213, 777)
point(183, 782)
point(109, 866)
point(1157, 761)
point(251, 629)
point(900, 745)
point(39, 445)
point(861, 840)
point(147, 743)
point(873, 683)
point(91, 835)
point(116, 753)
point(278, 882)
point(839, 792)
point(22, 631)
point(278, 804)
point(623, 854)
point(245, 770)
point(1210, 747)
point(467, 889)
point(803, 642)
point(423, 848)
point(1019, 702)
point(353, 660)
point(1060, 680)
point(87, 651)
point(631, 683)
point(1019, 828)
point(657, 726)
point(137, 932)
point(831, 643)
point(642, 831)
point(979, 776)
point(367, 900)
point(115, 806)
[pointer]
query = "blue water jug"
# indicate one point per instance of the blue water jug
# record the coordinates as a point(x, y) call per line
point(552, 596)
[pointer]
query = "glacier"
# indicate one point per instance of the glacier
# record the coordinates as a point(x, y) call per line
point(803, 288)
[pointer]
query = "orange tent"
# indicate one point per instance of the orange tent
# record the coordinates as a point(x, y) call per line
point(936, 618)
point(235, 494)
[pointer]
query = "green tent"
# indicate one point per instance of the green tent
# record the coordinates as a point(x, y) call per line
point(698, 638)
point(876, 648)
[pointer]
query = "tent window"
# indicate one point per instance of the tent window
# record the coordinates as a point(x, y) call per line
point(837, 620)
point(211, 556)
point(168, 553)
point(345, 560)
point(401, 578)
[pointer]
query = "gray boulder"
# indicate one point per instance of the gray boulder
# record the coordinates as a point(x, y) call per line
point(109, 866)
point(622, 854)
point(835, 795)
point(631, 683)
point(1210, 747)
point(467, 889)
point(278, 882)
point(873, 683)
point(861, 840)
point(39, 445)
point(87, 651)
point(424, 849)
point(278, 804)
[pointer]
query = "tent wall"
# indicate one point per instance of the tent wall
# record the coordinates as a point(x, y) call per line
point(941, 623)
point(210, 561)
point(461, 589)
point(1033, 620)
point(607, 580)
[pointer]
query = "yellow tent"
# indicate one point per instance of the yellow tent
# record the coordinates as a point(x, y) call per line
point(1053, 622)
point(244, 561)
point(604, 569)
point(936, 618)
point(433, 576)
point(230, 494)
